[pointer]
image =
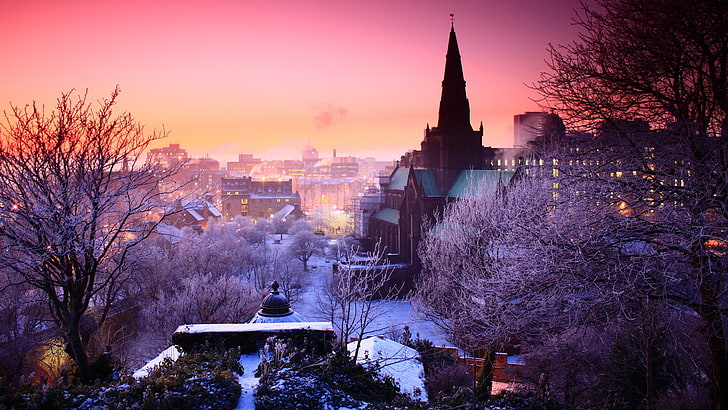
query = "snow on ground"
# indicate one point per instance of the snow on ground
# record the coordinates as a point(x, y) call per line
point(395, 314)
point(248, 381)
point(171, 353)
point(396, 360)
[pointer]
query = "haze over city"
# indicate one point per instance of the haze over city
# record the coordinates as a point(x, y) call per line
point(227, 77)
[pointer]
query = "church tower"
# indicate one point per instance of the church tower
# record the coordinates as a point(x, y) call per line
point(453, 145)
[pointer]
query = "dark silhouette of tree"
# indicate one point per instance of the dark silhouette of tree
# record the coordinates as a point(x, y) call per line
point(663, 63)
point(75, 196)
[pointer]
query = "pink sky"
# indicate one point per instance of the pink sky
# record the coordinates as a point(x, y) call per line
point(229, 77)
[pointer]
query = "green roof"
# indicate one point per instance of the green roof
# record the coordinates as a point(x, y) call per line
point(388, 215)
point(428, 181)
point(487, 180)
point(398, 180)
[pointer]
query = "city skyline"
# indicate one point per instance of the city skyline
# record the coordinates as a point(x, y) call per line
point(225, 78)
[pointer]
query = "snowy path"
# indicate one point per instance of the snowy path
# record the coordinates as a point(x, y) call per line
point(248, 381)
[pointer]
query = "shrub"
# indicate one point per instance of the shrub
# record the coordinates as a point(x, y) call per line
point(294, 378)
point(205, 380)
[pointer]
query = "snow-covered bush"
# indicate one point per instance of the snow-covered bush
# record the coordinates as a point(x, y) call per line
point(207, 380)
point(293, 378)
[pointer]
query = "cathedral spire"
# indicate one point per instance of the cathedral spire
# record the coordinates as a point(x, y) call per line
point(454, 106)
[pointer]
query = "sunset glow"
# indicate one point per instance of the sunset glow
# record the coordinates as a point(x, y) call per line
point(229, 77)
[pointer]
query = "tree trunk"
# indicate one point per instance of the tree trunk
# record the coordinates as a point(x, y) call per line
point(719, 357)
point(76, 349)
point(719, 383)
point(716, 338)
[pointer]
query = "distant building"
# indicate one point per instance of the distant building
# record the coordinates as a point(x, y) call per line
point(257, 198)
point(201, 177)
point(243, 166)
point(194, 214)
point(168, 156)
point(367, 204)
point(344, 167)
point(309, 155)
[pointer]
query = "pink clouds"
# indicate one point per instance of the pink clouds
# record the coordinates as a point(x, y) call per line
point(328, 116)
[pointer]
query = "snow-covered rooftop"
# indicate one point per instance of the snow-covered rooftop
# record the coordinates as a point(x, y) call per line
point(400, 362)
point(171, 353)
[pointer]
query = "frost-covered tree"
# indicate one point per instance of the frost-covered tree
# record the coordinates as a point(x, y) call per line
point(75, 196)
point(356, 295)
point(303, 243)
point(665, 63)
point(552, 267)
point(205, 298)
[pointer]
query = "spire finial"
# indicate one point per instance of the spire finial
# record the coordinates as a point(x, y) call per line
point(452, 21)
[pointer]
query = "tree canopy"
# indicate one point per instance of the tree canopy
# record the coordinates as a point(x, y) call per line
point(75, 196)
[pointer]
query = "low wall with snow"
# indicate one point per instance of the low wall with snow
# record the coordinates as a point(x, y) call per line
point(250, 337)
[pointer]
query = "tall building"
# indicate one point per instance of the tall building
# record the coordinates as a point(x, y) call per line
point(452, 157)
point(527, 127)
point(452, 145)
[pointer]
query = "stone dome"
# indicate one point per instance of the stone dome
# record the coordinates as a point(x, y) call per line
point(276, 308)
point(275, 303)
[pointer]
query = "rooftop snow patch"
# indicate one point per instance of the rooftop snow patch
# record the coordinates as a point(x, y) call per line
point(172, 353)
point(396, 360)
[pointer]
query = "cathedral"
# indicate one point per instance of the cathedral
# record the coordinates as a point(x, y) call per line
point(451, 159)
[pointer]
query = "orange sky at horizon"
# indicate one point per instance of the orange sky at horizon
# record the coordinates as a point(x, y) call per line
point(266, 78)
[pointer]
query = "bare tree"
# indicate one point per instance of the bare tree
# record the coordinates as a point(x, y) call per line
point(304, 243)
point(74, 198)
point(664, 62)
point(357, 294)
point(287, 273)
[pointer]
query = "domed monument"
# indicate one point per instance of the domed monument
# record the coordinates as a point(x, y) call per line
point(276, 308)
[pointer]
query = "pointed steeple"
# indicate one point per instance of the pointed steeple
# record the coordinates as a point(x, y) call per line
point(454, 106)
